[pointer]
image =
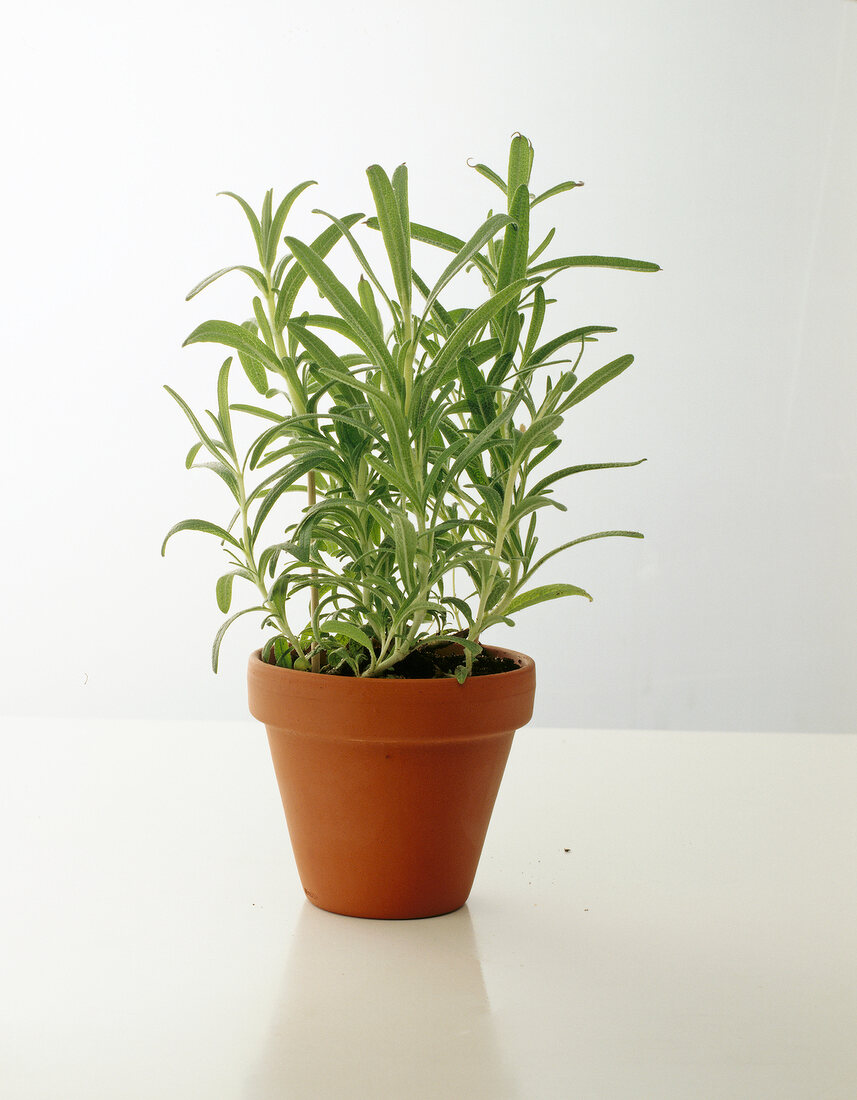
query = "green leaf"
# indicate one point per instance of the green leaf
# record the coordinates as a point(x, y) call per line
point(486, 232)
point(400, 190)
point(393, 230)
point(294, 472)
point(191, 455)
point(223, 404)
point(446, 241)
point(538, 251)
point(224, 472)
point(343, 626)
point(262, 321)
point(575, 542)
point(520, 164)
point(279, 220)
point(205, 439)
point(218, 638)
point(257, 277)
point(597, 379)
point(406, 549)
point(578, 334)
point(535, 328)
point(557, 190)
point(370, 307)
point(473, 323)
point(200, 525)
point(255, 373)
point(224, 591)
point(235, 336)
point(513, 259)
point(594, 261)
point(543, 593)
point(537, 434)
point(489, 174)
point(428, 235)
point(252, 219)
point(296, 276)
point(361, 256)
point(463, 457)
point(326, 358)
point(265, 226)
point(343, 302)
point(567, 471)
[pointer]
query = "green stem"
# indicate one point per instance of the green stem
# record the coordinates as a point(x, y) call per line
point(299, 405)
point(502, 531)
point(250, 559)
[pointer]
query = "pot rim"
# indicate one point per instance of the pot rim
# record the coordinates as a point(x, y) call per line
point(526, 665)
point(329, 705)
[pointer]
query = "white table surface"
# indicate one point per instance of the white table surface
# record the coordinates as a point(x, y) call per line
point(656, 915)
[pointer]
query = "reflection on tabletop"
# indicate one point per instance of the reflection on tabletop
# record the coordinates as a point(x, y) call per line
point(382, 1008)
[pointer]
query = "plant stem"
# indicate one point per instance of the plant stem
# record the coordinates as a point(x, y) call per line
point(502, 531)
point(299, 406)
point(250, 559)
point(313, 592)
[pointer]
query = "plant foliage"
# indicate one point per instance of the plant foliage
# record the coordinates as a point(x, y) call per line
point(416, 427)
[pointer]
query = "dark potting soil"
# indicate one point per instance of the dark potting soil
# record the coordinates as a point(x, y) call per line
point(437, 663)
point(422, 665)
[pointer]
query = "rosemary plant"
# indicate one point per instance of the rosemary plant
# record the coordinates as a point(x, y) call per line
point(418, 444)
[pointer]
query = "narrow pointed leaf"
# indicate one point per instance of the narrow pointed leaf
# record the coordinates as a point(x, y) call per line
point(279, 220)
point(594, 261)
point(343, 626)
point(361, 256)
point(567, 471)
point(199, 525)
point(520, 163)
point(265, 223)
point(513, 260)
point(597, 379)
point(218, 638)
point(191, 455)
point(476, 320)
point(205, 439)
point(257, 277)
point(557, 190)
point(536, 319)
point(489, 174)
point(543, 593)
point(546, 350)
point(370, 306)
point(223, 402)
point(343, 301)
point(296, 276)
point(237, 337)
point(255, 373)
point(486, 232)
point(393, 232)
point(224, 592)
point(577, 541)
point(252, 219)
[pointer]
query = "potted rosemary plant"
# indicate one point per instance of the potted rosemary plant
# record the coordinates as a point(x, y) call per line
point(417, 429)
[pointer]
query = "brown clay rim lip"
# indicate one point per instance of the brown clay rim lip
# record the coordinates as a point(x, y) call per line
point(524, 672)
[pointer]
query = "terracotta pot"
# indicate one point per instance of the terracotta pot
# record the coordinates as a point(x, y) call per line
point(388, 785)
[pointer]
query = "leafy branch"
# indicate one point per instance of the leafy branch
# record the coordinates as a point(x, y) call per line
point(413, 430)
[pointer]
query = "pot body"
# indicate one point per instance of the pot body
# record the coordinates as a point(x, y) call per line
point(388, 785)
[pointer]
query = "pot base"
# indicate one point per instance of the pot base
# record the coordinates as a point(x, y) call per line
point(388, 830)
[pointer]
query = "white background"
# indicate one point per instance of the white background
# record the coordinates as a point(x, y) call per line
point(716, 139)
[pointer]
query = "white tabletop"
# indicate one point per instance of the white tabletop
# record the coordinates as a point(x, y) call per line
point(656, 915)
